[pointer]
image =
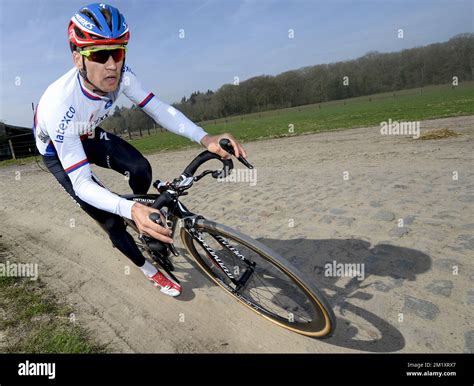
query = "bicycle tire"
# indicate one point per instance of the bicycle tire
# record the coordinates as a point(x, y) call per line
point(319, 328)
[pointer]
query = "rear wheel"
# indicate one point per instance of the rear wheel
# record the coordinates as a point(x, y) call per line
point(259, 278)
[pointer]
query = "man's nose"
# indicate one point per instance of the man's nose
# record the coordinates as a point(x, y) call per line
point(110, 63)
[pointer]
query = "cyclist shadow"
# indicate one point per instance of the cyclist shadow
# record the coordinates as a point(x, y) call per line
point(393, 265)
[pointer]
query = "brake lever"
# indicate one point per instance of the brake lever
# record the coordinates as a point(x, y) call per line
point(203, 174)
point(227, 146)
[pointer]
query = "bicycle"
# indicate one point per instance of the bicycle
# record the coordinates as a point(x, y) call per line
point(246, 269)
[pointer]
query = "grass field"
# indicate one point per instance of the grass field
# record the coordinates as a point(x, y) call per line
point(33, 321)
point(407, 105)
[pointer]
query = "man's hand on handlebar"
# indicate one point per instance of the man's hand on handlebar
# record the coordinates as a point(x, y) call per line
point(140, 214)
point(211, 142)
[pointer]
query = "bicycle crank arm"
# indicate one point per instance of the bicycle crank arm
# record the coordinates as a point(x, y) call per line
point(164, 268)
point(173, 249)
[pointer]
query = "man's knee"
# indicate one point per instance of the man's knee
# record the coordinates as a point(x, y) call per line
point(114, 225)
point(140, 175)
point(115, 228)
point(141, 168)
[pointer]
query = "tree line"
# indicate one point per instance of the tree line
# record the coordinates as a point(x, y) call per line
point(372, 73)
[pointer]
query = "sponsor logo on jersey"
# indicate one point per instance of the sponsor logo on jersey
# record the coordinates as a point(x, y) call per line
point(64, 123)
point(108, 104)
point(93, 124)
point(127, 69)
point(100, 119)
point(42, 136)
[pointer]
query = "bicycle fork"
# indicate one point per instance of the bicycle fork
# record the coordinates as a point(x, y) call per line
point(244, 278)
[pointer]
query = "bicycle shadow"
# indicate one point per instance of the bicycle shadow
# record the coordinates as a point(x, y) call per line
point(394, 265)
point(190, 275)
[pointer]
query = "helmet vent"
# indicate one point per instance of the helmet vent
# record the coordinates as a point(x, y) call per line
point(108, 16)
point(79, 33)
point(120, 20)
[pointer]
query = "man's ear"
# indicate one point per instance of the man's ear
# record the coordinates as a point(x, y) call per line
point(77, 60)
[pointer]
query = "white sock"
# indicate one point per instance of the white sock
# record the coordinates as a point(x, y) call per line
point(148, 269)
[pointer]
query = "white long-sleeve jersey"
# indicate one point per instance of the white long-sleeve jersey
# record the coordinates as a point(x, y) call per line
point(68, 112)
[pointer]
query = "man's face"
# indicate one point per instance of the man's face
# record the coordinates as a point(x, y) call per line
point(105, 76)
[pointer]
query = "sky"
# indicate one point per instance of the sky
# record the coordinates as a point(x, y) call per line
point(223, 39)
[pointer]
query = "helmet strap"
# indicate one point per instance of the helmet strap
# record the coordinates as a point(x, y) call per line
point(121, 71)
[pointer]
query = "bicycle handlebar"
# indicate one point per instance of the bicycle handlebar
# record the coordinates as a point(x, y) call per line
point(204, 157)
point(207, 155)
point(165, 199)
point(187, 177)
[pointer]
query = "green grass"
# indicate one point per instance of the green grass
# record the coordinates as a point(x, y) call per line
point(20, 161)
point(161, 142)
point(33, 321)
point(407, 105)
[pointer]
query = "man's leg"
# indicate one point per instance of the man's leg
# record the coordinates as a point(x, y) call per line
point(111, 223)
point(110, 151)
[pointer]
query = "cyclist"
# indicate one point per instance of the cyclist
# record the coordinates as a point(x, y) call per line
point(69, 138)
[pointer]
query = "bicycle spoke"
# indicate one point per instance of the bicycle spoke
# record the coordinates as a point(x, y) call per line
point(281, 305)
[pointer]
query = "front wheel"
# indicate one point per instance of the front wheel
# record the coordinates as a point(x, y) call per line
point(259, 278)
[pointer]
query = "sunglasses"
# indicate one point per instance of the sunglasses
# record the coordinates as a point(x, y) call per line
point(101, 55)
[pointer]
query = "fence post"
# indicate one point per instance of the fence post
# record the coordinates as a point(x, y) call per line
point(11, 148)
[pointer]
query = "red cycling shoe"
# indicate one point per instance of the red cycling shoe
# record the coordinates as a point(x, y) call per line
point(167, 285)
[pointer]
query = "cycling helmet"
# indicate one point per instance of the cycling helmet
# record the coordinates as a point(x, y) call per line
point(97, 24)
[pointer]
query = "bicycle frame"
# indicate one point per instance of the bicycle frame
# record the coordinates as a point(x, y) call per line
point(177, 211)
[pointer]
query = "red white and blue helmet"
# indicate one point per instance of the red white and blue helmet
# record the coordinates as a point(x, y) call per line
point(97, 24)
